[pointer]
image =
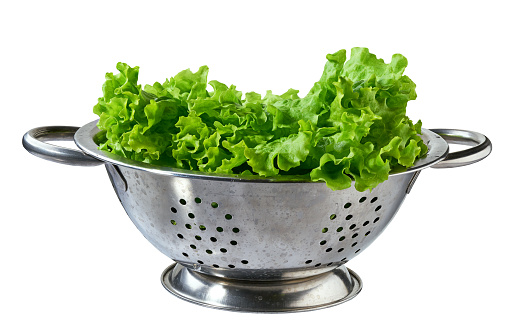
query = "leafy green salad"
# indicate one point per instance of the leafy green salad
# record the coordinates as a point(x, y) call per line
point(351, 127)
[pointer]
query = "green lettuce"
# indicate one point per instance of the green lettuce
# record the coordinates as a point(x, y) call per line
point(351, 127)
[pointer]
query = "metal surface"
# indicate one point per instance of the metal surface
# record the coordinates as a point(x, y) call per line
point(243, 230)
point(481, 147)
point(34, 142)
point(322, 291)
point(231, 233)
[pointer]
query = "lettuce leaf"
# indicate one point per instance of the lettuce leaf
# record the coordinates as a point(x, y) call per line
point(351, 127)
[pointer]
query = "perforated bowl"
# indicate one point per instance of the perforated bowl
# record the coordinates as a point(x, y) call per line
point(250, 243)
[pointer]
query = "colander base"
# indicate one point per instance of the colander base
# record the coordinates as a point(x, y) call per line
point(316, 292)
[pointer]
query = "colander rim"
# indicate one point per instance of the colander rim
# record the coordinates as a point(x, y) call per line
point(84, 139)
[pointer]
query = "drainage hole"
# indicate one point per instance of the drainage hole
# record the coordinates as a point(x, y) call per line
point(339, 229)
point(209, 251)
point(329, 264)
point(214, 205)
point(367, 233)
point(354, 244)
point(231, 266)
point(317, 265)
point(234, 242)
point(365, 223)
point(323, 242)
point(245, 262)
point(180, 236)
point(353, 226)
point(185, 254)
point(190, 215)
point(344, 259)
point(200, 262)
point(198, 200)
point(342, 238)
point(347, 205)
point(378, 207)
point(356, 251)
point(376, 219)
point(173, 222)
point(219, 229)
point(354, 235)
point(202, 227)
point(349, 216)
point(182, 201)
point(325, 230)
point(228, 216)
point(213, 239)
point(188, 226)
point(333, 216)
point(374, 199)
point(223, 250)
point(193, 246)
point(236, 230)
point(198, 237)
point(340, 249)
point(362, 199)
point(216, 265)
point(173, 210)
point(329, 249)
point(308, 261)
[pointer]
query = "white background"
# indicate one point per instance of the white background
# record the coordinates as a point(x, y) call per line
point(73, 261)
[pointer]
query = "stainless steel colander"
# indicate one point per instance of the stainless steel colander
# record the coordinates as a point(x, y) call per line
point(250, 243)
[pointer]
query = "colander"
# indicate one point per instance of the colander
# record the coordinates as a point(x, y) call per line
point(249, 243)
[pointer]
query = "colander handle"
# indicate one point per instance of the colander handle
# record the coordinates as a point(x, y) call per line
point(481, 147)
point(35, 139)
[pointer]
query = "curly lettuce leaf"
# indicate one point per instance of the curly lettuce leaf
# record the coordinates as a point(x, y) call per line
point(350, 129)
